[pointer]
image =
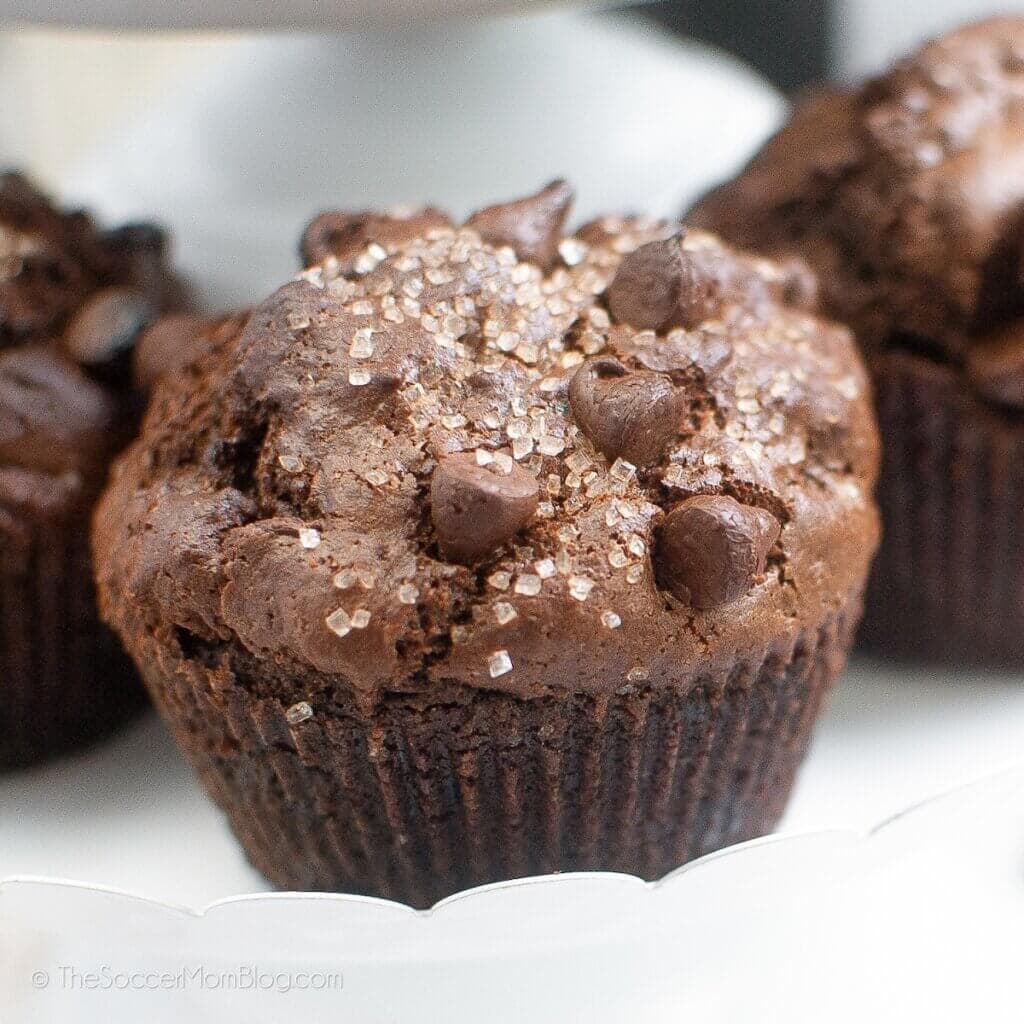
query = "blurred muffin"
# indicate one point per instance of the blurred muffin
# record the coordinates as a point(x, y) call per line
point(487, 551)
point(73, 299)
point(907, 197)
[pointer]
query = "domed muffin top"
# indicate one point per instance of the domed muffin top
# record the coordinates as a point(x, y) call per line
point(504, 456)
point(73, 299)
point(906, 195)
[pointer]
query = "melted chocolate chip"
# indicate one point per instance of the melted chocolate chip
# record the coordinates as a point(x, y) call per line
point(475, 508)
point(52, 417)
point(710, 549)
point(531, 226)
point(996, 367)
point(345, 235)
point(106, 325)
point(627, 415)
point(661, 285)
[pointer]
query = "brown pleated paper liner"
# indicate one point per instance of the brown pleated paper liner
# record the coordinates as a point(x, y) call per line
point(435, 793)
point(64, 681)
point(948, 580)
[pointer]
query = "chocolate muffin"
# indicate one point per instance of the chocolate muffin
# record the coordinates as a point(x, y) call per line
point(72, 300)
point(485, 551)
point(906, 195)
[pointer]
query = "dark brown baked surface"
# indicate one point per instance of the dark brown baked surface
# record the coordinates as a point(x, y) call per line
point(73, 299)
point(906, 196)
point(430, 460)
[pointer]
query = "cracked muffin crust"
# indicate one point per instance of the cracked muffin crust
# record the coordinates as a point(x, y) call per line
point(453, 508)
point(73, 299)
point(907, 198)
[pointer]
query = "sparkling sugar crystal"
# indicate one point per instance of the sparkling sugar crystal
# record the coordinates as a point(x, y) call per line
point(622, 471)
point(309, 538)
point(408, 594)
point(362, 344)
point(298, 713)
point(580, 587)
point(504, 462)
point(500, 580)
point(572, 251)
point(577, 462)
point(528, 585)
point(521, 447)
point(499, 663)
point(545, 568)
point(611, 620)
point(339, 623)
point(504, 612)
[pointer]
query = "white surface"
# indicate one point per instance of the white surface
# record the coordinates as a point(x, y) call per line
point(921, 920)
point(237, 155)
point(131, 816)
point(318, 14)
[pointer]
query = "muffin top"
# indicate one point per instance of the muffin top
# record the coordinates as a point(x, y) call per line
point(505, 457)
point(72, 300)
point(906, 195)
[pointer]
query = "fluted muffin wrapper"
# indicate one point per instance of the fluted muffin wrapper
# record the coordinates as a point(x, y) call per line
point(64, 680)
point(431, 794)
point(948, 580)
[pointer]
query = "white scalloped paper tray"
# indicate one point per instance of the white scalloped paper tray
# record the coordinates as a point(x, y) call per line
point(826, 926)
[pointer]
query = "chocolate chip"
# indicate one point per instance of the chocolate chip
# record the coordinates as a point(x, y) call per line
point(995, 367)
point(710, 549)
point(661, 285)
point(629, 415)
point(168, 346)
point(108, 324)
point(52, 417)
point(531, 226)
point(475, 508)
point(345, 235)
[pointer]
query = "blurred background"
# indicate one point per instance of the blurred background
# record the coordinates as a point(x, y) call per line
point(791, 42)
point(798, 42)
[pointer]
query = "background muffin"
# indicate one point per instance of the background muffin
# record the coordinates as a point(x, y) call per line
point(907, 197)
point(483, 552)
point(72, 300)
